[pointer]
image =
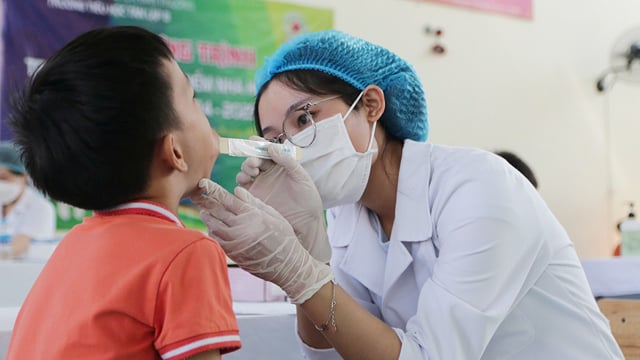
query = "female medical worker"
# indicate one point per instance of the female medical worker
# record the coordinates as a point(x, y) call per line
point(26, 214)
point(436, 252)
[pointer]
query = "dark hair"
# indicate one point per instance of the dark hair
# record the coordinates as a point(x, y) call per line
point(520, 165)
point(88, 120)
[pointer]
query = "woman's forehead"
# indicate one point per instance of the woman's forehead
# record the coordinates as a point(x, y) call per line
point(278, 98)
point(277, 90)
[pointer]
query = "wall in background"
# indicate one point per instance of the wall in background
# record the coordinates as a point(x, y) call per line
point(526, 86)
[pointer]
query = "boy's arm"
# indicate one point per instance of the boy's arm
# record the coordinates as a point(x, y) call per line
point(194, 310)
point(207, 355)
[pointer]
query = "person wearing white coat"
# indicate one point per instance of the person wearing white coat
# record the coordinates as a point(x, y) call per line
point(503, 278)
point(435, 252)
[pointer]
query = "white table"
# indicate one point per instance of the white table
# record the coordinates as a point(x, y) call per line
point(16, 279)
point(7, 318)
point(267, 331)
point(613, 277)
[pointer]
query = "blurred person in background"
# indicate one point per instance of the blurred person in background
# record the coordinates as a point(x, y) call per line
point(26, 214)
point(519, 164)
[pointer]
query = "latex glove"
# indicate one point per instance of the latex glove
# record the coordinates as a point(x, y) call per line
point(260, 240)
point(285, 185)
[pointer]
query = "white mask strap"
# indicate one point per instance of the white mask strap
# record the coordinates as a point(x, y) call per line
point(352, 106)
point(373, 132)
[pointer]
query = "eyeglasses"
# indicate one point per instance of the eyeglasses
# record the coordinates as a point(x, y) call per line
point(293, 125)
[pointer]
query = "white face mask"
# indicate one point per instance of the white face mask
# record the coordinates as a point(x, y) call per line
point(9, 191)
point(339, 172)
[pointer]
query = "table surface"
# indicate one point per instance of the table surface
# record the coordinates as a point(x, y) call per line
point(267, 329)
point(16, 280)
point(263, 336)
point(613, 277)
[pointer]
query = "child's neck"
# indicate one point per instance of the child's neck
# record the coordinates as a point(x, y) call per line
point(167, 196)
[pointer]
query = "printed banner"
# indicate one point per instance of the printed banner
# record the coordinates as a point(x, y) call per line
point(517, 8)
point(218, 43)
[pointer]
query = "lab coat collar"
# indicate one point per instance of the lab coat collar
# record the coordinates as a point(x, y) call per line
point(412, 224)
point(365, 257)
point(413, 216)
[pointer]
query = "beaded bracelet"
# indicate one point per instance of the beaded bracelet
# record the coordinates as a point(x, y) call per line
point(331, 322)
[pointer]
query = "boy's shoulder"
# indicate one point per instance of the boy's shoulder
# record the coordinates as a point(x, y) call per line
point(145, 231)
point(132, 241)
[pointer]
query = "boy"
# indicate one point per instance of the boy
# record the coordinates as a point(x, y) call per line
point(110, 123)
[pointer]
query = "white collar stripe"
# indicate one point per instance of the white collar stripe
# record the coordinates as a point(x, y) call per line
point(199, 343)
point(151, 207)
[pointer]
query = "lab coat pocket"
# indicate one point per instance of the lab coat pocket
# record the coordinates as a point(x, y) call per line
point(515, 333)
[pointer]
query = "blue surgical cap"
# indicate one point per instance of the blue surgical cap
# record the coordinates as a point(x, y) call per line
point(359, 63)
point(10, 158)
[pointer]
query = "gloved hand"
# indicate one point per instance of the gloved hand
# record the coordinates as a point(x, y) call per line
point(286, 186)
point(260, 240)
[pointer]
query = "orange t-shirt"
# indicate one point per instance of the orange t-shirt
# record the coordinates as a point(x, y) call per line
point(130, 283)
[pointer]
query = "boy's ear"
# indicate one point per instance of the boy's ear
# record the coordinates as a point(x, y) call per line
point(172, 154)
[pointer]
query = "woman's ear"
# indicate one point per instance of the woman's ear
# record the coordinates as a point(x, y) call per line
point(373, 102)
point(172, 153)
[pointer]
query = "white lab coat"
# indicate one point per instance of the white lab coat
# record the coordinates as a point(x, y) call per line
point(33, 215)
point(477, 267)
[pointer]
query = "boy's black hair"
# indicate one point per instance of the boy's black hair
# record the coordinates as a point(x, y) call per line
point(515, 161)
point(88, 120)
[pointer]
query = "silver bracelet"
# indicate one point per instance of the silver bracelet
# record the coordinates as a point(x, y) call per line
point(331, 322)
